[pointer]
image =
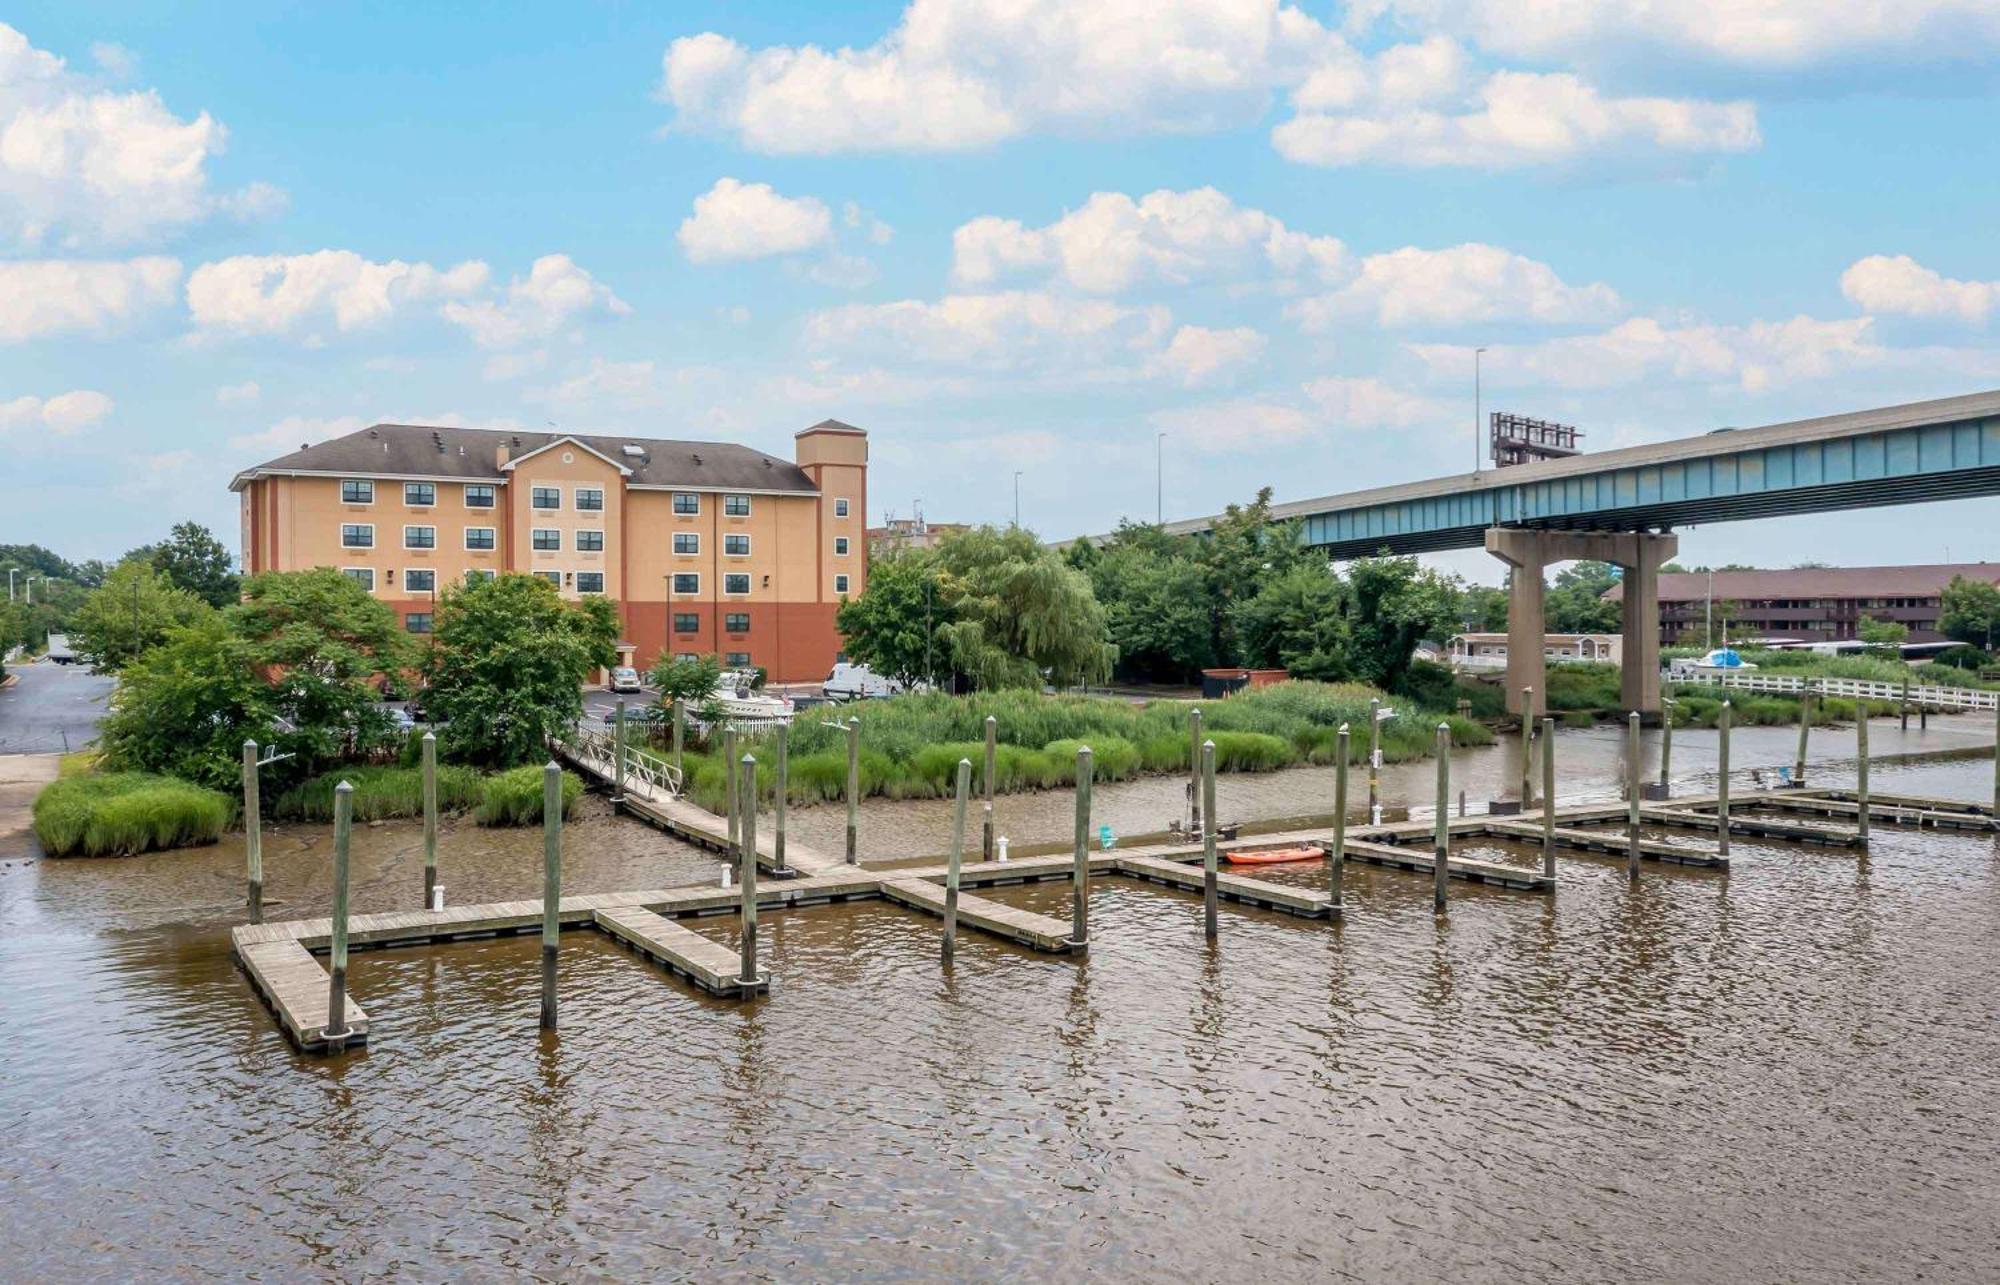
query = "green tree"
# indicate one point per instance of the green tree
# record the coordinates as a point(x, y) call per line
point(1483, 609)
point(1576, 603)
point(134, 610)
point(1299, 622)
point(691, 679)
point(321, 640)
point(893, 628)
point(191, 558)
point(1884, 635)
point(185, 707)
point(1020, 612)
point(508, 665)
point(1157, 610)
point(1244, 549)
point(1396, 604)
point(1969, 611)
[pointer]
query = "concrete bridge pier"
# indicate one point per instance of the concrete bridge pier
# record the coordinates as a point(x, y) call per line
point(1528, 553)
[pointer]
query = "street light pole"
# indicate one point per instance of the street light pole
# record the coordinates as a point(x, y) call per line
point(1159, 480)
point(1476, 354)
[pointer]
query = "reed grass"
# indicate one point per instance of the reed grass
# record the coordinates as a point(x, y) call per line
point(514, 797)
point(380, 793)
point(123, 813)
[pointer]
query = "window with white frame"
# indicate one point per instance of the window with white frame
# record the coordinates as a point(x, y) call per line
point(546, 539)
point(357, 535)
point(687, 503)
point(840, 508)
point(545, 497)
point(420, 537)
point(553, 577)
point(479, 537)
point(687, 582)
point(420, 580)
point(840, 584)
point(736, 582)
point(840, 546)
point(363, 576)
point(687, 542)
point(590, 541)
point(736, 546)
point(357, 491)
point(590, 582)
point(590, 499)
point(478, 496)
point(420, 495)
point(736, 506)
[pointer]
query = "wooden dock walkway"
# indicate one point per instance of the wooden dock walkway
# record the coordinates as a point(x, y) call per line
point(1609, 842)
point(1894, 809)
point(295, 986)
point(710, 965)
point(1039, 932)
point(1424, 861)
point(1230, 887)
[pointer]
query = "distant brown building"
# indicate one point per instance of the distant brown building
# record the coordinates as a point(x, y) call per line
point(910, 533)
point(1815, 604)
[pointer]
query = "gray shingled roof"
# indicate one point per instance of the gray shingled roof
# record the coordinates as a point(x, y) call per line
point(418, 450)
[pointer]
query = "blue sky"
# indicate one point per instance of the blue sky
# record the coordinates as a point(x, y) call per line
point(1000, 236)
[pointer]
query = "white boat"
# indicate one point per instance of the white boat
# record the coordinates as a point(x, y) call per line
point(1725, 660)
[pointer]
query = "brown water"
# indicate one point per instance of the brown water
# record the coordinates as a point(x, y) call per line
point(1782, 1073)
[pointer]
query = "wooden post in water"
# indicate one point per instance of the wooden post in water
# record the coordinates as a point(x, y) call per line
point(253, 834)
point(1722, 779)
point(1194, 768)
point(1527, 748)
point(680, 735)
point(618, 757)
point(1336, 860)
point(552, 819)
point(1208, 859)
point(1079, 887)
point(991, 766)
point(1549, 798)
point(957, 856)
point(1861, 773)
point(780, 790)
point(1805, 730)
point(1906, 705)
point(746, 875)
point(1374, 761)
point(1441, 846)
point(430, 819)
point(1666, 740)
point(1632, 795)
point(1996, 764)
point(731, 788)
point(853, 788)
point(336, 1031)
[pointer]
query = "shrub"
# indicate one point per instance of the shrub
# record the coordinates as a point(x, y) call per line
point(1251, 752)
point(1113, 758)
point(514, 797)
point(122, 813)
point(380, 793)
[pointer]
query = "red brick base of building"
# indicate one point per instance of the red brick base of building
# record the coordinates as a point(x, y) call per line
point(793, 642)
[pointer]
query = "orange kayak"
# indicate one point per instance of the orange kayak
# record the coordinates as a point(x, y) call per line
point(1273, 856)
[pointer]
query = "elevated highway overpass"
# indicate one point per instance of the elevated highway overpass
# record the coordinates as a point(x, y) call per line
point(1621, 506)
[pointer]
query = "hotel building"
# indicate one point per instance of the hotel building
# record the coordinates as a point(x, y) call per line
point(706, 546)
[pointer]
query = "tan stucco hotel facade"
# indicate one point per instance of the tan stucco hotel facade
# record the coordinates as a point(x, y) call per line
point(706, 546)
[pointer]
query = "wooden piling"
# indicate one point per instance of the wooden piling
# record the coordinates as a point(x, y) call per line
point(1905, 706)
point(1805, 730)
point(430, 819)
point(1632, 800)
point(1336, 859)
point(253, 835)
point(732, 803)
point(747, 872)
point(1548, 798)
point(680, 736)
point(1996, 765)
point(1722, 778)
point(335, 1034)
point(1861, 773)
point(781, 788)
point(552, 819)
point(1209, 871)
point(1441, 845)
point(1374, 761)
point(853, 788)
point(1194, 768)
point(1666, 740)
point(957, 856)
point(618, 757)
point(991, 765)
point(1079, 888)
point(1527, 748)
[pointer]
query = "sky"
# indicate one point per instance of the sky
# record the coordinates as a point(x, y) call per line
point(1002, 235)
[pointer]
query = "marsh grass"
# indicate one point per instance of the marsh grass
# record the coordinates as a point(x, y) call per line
point(514, 797)
point(122, 813)
point(380, 793)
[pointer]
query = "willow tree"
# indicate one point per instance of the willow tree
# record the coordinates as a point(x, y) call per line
point(1020, 614)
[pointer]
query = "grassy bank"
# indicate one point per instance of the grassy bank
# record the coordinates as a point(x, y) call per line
point(910, 746)
point(122, 813)
point(514, 797)
point(385, 792)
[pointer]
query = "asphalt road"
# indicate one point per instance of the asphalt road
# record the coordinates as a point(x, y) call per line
point(53, 708)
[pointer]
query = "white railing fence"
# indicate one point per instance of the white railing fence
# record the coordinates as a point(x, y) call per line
point(645, 771)
point(1954, 698)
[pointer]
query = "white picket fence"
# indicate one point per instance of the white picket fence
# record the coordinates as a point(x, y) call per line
point(1954, 698)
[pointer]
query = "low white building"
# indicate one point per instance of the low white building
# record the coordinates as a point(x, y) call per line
point(1489, 651)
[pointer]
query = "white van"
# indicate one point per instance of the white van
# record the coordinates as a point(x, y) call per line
point(857, 682)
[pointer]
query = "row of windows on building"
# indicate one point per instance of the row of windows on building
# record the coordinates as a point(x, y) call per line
point(686, 583)
point(586, 499)
point(361, 535)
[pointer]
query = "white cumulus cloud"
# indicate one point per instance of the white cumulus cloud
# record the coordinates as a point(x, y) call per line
point(736, 220)
point(1198, 356)
point(63, 414)
point(41, 297)
point(1754, 357)
point(1884, 283)
point(1004, 331)
point(1453, 286)
point(281, 293)
point(80, 165)
point(1367, 402)
point(555, 292)
point(243, 394)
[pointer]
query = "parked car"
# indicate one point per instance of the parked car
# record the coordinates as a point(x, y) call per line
point(857, 682)
point(625, 679)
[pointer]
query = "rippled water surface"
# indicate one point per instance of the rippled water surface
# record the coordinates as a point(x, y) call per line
point(1782, 1073)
